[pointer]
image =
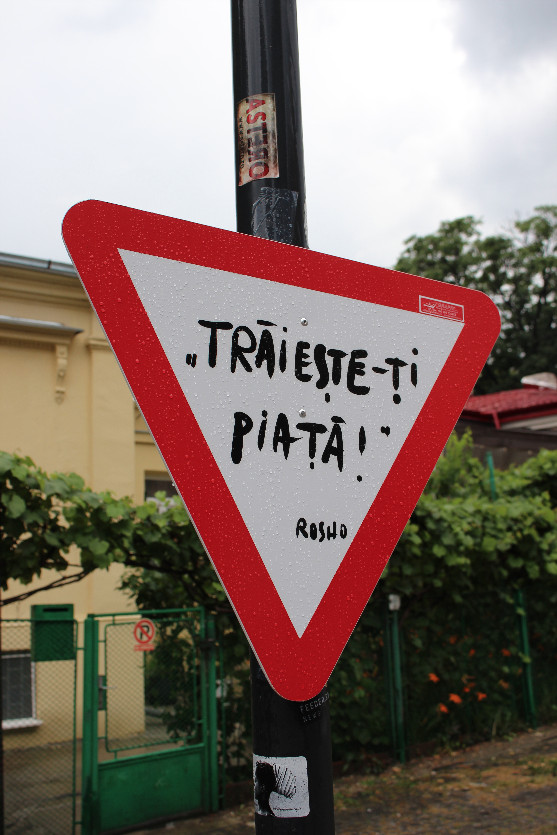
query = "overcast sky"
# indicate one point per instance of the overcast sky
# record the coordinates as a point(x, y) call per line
point(414, 112)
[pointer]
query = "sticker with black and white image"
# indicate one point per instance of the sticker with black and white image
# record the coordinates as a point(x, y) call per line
point(281, 786)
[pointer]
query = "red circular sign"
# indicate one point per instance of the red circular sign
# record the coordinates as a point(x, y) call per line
point(144, 631)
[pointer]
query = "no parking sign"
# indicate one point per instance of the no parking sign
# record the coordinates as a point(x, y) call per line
point(144, 632)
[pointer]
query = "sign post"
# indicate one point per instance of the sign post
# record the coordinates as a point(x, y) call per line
point(289, 738)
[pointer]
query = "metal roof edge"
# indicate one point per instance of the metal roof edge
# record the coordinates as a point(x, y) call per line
point(39, 264)
point(19, 323)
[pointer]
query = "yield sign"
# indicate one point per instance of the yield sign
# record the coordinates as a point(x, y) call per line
point(300, 402)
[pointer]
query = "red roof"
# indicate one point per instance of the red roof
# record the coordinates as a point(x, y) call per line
point(508, 406)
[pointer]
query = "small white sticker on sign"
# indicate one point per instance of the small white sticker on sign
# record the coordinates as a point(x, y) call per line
point(281, 786)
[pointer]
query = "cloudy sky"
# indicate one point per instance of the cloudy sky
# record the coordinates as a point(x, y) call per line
point(414, 111)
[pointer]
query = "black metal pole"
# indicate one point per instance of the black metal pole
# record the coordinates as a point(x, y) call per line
point(270, 188)
point(291, 740)
point(291, 743)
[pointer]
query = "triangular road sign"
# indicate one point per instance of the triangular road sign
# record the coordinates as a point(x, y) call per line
point(300, 402)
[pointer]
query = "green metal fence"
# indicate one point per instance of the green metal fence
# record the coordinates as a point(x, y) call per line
point(150, 722)
point(39, 678)
point(114, 722)
point(110, 723)
point(469, 673)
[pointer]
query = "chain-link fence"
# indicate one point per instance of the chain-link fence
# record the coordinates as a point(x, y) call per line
point(150, 718)
point(90, 724)
point(38, 721)
point(421, 674)
point(149, 687)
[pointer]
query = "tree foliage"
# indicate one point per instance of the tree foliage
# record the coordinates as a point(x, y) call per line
point(56, 522)
point(457, 568)
point(518, 270)
point(457, 537)
point(42, 517)
point(462, 557)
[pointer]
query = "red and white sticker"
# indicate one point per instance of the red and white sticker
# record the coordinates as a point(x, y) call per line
point(443, 309)
point(144, 632)
point(257, 138)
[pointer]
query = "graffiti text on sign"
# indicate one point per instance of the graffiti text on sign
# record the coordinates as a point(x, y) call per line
point(319, 530)
point(320, 364)
point(241, 349)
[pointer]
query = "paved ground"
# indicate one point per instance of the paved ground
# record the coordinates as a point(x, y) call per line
point(500, 788)
point(38, 790)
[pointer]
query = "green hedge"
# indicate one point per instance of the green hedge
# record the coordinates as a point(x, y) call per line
point(457, 568)
point(463, 557)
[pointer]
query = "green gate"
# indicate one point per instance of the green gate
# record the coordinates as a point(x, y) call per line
point(149, 719)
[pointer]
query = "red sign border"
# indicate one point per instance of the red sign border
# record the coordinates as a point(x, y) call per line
point(297, 668)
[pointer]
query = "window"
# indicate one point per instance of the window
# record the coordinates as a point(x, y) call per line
point(158, 483)
point(18, 690)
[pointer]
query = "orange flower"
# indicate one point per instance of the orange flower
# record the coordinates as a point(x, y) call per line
point(504, 684)
point(506, 652)
point(481, 696)
point(453, 639)
point(466, 690)
point(454, 698)
point(472, 652)
point(433, 678)
point(443, 708)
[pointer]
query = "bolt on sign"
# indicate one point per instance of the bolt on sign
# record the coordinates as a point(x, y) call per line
point(300, 402)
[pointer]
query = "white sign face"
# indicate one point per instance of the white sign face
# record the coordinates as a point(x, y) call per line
point(305, 400)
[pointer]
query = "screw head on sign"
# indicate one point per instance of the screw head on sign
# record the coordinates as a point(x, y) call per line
point(302, 413)
point(303, 321)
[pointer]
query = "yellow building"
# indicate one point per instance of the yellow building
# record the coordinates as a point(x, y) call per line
point(66, 405)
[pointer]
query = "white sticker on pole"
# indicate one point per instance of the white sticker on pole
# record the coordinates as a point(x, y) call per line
point(281, 786)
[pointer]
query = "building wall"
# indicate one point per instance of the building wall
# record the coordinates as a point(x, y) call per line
point(508, 446)
point(66, 405)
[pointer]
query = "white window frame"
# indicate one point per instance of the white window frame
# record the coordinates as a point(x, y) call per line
point(23, 721)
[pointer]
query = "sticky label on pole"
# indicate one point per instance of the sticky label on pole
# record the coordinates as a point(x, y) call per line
point(281, 786)
point(257, 138)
